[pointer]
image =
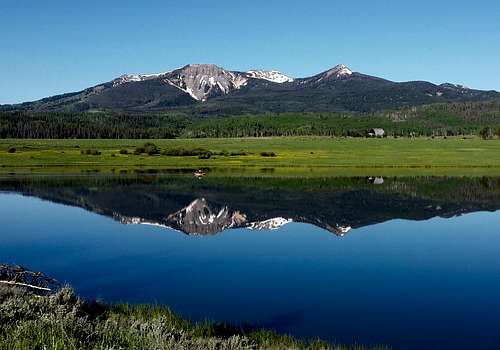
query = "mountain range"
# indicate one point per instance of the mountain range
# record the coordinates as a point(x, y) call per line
point(210, 89)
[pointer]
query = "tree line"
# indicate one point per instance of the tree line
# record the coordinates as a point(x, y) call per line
point(478, 118)
point(52, 125)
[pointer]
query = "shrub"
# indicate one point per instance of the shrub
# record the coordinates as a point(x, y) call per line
point(171, 152)
point(227, 154)
point(92, 152)
point(238, 153)
point(268, 154)
point(182, 152)
point(199, 151)
point(150, 148)
point(12, 150)
point(139, 150)
point(206, 155)
point(124, 151)
point(486, 133)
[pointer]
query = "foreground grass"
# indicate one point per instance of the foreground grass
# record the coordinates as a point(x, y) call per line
point(401, 156)
point(63, 321)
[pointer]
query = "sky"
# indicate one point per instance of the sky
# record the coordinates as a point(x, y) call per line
point(58, 46)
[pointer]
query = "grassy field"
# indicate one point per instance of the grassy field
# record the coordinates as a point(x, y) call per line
point(63, 321)
point(293, 155)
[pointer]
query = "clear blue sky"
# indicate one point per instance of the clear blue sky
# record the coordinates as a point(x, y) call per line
point(56, 46)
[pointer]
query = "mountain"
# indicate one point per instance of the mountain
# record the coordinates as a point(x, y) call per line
point(209, 89)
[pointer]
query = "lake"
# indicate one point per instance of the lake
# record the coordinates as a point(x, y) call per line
point(407, 262)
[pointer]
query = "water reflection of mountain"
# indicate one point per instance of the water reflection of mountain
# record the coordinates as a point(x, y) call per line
point(211, 205)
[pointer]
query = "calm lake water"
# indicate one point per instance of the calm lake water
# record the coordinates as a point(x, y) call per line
point(411, 263)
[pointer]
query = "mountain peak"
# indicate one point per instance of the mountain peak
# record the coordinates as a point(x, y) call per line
point(207, 66)
point(338, 71)
point(202, 81)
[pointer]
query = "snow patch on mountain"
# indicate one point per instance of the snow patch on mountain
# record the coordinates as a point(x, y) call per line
point(270, 224)
point(128, 78)
point(273, 75)
point(132, 220)
point(342, 70)
point(339, 71)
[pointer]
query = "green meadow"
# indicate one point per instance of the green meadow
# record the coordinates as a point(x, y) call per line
point(302, 156)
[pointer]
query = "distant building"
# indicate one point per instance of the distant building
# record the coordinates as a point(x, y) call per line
point(376, 132)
